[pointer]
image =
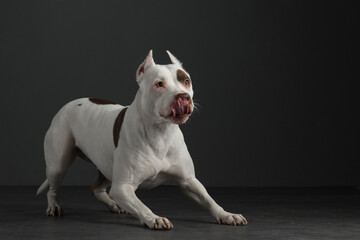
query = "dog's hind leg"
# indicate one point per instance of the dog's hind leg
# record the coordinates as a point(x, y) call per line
point(99, 191)
point(59, 155)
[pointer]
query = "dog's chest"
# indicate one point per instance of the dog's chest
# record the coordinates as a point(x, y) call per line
point(153, 181)
point(159, 174)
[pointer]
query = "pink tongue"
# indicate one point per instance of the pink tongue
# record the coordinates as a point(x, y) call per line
point(180, 107)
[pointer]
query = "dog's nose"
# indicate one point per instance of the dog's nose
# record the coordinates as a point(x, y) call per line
point(183, 96)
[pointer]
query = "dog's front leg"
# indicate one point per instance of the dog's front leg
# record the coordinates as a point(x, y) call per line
point(195, 190)
point(124, 195)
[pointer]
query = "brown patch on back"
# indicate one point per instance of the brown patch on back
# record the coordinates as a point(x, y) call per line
point(117, 126)
point(101, 101)
point(183, 78)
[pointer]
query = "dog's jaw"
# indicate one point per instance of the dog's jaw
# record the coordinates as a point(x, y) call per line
point(179, 119)
point(171, 116)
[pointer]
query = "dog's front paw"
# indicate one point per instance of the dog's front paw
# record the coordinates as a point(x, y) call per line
point(159, 223)
point(231, 219)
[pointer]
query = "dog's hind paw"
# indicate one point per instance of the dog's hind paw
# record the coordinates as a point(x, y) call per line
point(54, 211)
point(116, 209)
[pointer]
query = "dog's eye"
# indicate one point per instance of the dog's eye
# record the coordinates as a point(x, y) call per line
point(187, 82)
point(159, 84)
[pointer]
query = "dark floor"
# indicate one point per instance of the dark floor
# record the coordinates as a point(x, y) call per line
point(301, 213)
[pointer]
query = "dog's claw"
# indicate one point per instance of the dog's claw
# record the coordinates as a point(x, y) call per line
point(124, 212)
point(54, 211)
point(116, 209)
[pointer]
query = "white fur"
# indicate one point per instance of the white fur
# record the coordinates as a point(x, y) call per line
point(151, 148)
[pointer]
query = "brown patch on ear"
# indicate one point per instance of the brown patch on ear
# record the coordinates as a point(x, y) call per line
point(183, 78)
point(101, 101)
point(117, 126)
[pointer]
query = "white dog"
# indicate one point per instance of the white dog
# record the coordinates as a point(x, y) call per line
point(139, 146)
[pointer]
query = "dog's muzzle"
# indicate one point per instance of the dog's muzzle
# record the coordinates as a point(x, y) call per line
point(181, 108)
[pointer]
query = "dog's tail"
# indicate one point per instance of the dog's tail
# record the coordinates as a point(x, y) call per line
point(43, 186)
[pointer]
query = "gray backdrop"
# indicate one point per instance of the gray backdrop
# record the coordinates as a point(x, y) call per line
point(274, 80)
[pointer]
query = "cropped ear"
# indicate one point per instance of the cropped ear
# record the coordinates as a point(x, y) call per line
point(148, 62)
point(173, 59)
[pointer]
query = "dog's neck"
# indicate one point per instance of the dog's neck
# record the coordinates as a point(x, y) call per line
point(159, 134)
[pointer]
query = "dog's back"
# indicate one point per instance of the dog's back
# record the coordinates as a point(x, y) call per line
point(86, 124)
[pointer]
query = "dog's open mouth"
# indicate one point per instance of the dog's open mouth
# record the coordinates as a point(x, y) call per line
point(181, 109)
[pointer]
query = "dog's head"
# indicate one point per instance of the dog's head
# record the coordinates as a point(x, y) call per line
point(166, 90)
